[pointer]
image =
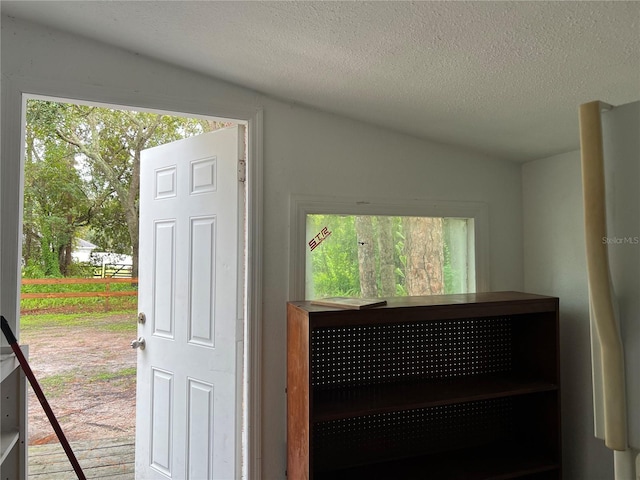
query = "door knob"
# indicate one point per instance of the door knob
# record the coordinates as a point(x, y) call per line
point(139, 343)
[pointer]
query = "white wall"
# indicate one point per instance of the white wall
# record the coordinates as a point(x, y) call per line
point(305, 152)
point(555, 264)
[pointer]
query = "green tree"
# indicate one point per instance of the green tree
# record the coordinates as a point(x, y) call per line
point(335, 260)
point(102, 149)
point(370, 256)
point(367, 256)
point(110, 142)
point(386, 249)
point(55, 202)
point(424, 250)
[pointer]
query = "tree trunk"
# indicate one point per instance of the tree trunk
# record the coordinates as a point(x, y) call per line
point(66, 249)
point(134, 263)
point(386, 252)
point(366, 257)
point(30, 239)
point(132, 212)
point(424, 249)
point(65, 259)
point(132, 225)
point(60, 251)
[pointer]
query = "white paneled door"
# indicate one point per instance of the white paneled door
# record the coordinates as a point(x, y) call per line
point(190, 298)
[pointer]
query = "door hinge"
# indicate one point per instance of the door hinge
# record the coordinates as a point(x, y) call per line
point(242, 170)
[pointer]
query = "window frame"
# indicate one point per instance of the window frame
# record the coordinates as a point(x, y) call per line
point(303, 205)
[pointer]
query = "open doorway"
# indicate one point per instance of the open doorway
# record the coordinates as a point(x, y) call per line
point(68, 160)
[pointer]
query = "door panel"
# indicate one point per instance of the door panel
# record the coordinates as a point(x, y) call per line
point(164, 248)
point(161, 428)
point(199, 439)
point(202, 299)
point(188, 289)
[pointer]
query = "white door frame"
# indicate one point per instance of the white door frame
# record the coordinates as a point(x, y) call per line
point(15, 91)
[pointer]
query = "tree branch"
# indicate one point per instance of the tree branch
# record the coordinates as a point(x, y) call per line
point(97, 160)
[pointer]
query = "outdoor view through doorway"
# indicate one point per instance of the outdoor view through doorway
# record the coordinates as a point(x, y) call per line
point(79, 274)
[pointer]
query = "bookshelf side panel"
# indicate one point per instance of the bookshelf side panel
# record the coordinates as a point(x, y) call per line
point(298, 426)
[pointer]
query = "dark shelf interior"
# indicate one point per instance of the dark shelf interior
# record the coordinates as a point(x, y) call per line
point(438, 390)
point(344, 402)
point(510, 420)
point(497, 461)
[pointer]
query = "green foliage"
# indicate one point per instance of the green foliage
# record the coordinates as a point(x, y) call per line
point(77, 304)
point(335, 260)
point(452, 273)
point(112, 322)
point(108, 228)
point(82, 173)
point(130, 326)
point(55, 385)
point(49, 259)
point(400, 256)
point(33, 269)
point(334, 264)
point(81, 270)
point(90, 304)
point(108, 376)
point(55, 201)
point(77, 287)
point(30, 323)
point(448, 271)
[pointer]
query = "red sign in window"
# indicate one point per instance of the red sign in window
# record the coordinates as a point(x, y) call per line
point(319, 238)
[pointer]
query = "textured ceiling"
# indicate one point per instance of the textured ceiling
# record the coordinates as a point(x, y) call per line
point(504, 78)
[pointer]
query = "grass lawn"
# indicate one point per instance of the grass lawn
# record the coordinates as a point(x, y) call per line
point(111, 321)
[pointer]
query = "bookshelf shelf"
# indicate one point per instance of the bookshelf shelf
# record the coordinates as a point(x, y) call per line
point(439, 387)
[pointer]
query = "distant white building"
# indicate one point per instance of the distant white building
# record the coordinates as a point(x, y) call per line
point(109, 258)
point(84, 252)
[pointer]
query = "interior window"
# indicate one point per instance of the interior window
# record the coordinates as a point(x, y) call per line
point(371, 256)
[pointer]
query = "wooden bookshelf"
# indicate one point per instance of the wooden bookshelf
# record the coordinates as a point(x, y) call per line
point(447, 387)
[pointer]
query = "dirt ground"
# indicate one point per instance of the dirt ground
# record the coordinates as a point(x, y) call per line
point(87, 373)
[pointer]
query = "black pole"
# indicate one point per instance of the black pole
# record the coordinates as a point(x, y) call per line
point(6, 329)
